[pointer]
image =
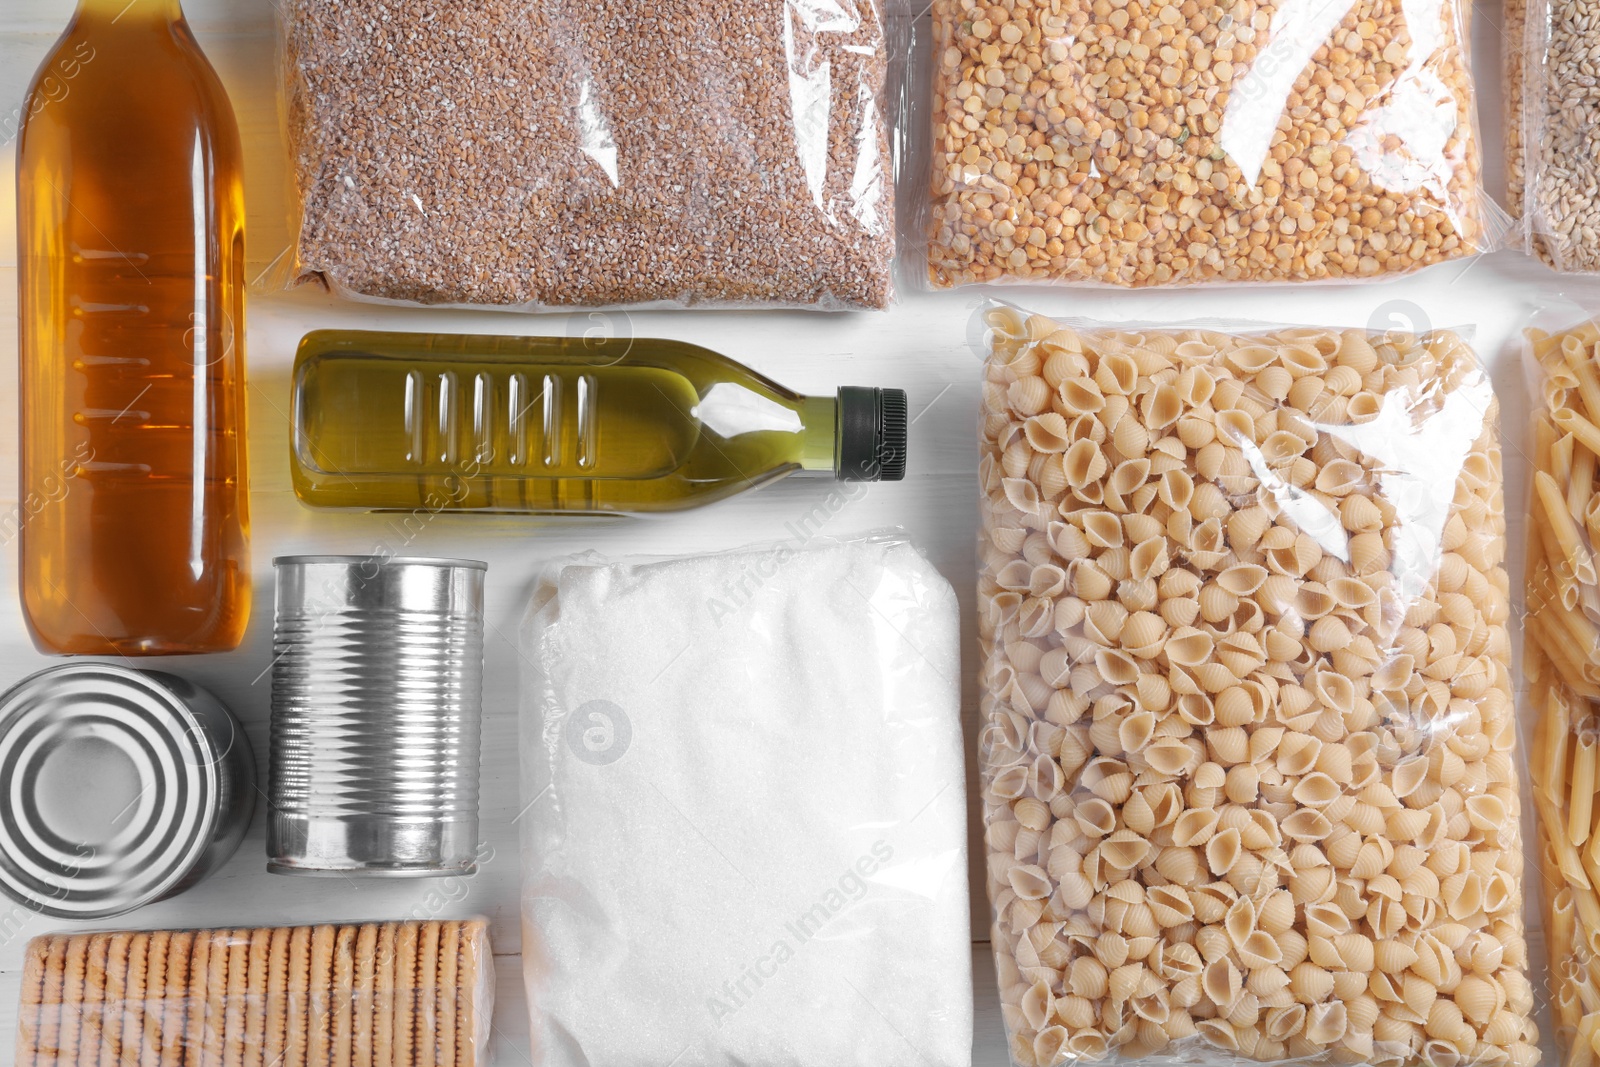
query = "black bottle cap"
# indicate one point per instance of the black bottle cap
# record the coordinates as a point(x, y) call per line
point(872, 435)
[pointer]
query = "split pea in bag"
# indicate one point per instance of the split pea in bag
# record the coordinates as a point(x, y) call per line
point(1163, 143)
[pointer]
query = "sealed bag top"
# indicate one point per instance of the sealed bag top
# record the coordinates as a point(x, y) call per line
point(1248, 750)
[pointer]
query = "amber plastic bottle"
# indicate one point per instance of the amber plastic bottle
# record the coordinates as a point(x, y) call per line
point(132, 520)
point(553, 425)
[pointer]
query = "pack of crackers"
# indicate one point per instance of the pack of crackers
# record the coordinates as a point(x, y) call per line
point(402, 994)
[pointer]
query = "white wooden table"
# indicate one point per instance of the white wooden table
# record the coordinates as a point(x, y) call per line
point(922, 346)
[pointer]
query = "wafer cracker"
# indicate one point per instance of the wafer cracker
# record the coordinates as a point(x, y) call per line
point(448, 994)
point(35, 966)
point(274, 1043)
point(215, 1031)
point(297, 996)
point(365, 975)
point(73, 965)
point(426, 1022)
point(475, 982)
point(406, 940)
point(383, 997)
point(341, 994)
point(133, 1000)
point(194, 1024)
point(319, 994)
point(154, 1006)
point(116, 1001)
point(255, 1024)
point(48, 1044)
point(174, 999)
point(91, 1038)
point(238, 990)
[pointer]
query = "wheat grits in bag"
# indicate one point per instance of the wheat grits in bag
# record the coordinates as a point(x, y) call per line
point(532, 153)
point(1134, 143)
point(1248, 754)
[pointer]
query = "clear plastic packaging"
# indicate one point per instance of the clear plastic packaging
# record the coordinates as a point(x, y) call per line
point(524, 155)
point(745, 803)
point(1163, 144)
point(1513, 18)
point(1552, 111)
point(1561, 659)
point(1248, 751)
point(376, 994)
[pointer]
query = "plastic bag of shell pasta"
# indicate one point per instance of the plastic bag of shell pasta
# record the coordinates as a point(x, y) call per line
point(1248, 757)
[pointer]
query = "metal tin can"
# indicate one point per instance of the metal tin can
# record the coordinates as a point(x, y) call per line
point(123, 787)
point(377, 690)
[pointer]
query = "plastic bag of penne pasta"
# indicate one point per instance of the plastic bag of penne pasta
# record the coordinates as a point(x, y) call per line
point(1561, 658)
point(381, 994)
point(1248, 751)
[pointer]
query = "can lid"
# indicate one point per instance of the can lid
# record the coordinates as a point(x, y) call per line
point(872, 435)
point(379, 561)
point(111, 789)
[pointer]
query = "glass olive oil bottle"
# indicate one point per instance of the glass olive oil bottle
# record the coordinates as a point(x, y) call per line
point(130, 224)
point(446, 422)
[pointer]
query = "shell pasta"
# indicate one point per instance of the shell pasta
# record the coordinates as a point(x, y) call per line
point(1562, 662)
point(1247, 749)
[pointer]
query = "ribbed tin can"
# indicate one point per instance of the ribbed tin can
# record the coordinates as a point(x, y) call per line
point(377, 689)
point(122, 787)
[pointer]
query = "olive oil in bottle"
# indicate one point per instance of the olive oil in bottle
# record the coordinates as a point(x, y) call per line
point(444, 422)
point(130, 217)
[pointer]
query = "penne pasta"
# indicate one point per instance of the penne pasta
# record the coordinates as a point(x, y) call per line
point(1570, 661)
point(1583, 1051)
point(1580, 565)
point(1570, 862)
point(1580, 811)
point(1580, 357)
point(1579, 426)
point(1563, 453)
point(1562, 918)
point(1584, 637)
point(1562, 661)
point(1580, 487)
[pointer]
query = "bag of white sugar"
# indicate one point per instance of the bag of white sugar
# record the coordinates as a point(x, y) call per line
point(744, 840)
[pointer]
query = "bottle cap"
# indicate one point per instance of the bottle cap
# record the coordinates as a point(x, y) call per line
point(872, 435)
